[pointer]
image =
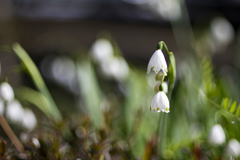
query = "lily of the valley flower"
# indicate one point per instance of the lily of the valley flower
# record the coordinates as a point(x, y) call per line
point(157, 63)
point(217, 135)
point(160, 102)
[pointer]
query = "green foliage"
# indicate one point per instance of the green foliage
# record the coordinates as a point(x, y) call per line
point(90, 90)
point(33, 97)
point(212, 89)
point(34, 73)
point(231, 107)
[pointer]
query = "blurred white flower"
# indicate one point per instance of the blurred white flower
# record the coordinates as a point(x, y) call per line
point(160, 102)
point(101, 50)
point(222, 30)
point(157, 63)
point(29, 120)
point(1, 106)
point(233, 148)
point(216, 135)
point(14, 111)
point(115, 67)
point(63, 69)
point(36, 143)
point(165, 87)
point(6, 92)
point(167, 9)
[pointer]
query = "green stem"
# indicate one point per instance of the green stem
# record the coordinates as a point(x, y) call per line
point(160, 118)
point(160, 46)
point(162, 121)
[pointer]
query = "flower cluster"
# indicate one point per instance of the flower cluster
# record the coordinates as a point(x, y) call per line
point(157, 63)
point(15, 113)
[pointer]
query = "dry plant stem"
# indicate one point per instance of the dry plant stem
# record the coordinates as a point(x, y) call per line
point(11, 135)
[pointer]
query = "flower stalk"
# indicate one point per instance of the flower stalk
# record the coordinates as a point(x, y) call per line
point(160, 101)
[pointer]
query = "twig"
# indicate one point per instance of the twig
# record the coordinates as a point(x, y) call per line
point(11, 135)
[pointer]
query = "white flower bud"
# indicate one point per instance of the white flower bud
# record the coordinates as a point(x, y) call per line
point(165, 87)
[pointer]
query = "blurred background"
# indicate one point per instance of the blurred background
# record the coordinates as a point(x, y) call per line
point(58, 27)
point(64, 39)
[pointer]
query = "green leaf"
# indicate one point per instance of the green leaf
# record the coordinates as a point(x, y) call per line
point(34, 97)
point(233, 107)
point(90, 90)
point(172, 71)
point(238, 111)
point(224, 103)
point(37, 80)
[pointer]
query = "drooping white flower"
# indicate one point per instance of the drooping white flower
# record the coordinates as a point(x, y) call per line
point(101, 50)
point(14, 111)
point(233, 148)
point(157, 63)
point(160, 103)
point(216, 135)
point(29, 120)
point(6, 92)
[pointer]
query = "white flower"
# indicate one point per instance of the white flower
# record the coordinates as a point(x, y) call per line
point(14, 111)
point(115, 67)
point(233, 148)
point(6, 92)
point(101, 50)
point(222, 30)
point(157, 63)
point(168, 9)
point(217, 135)
point(29, 120)
point(160, 103)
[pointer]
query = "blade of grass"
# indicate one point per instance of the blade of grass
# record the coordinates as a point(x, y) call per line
point(34, 97)
point(90, 90)
point(38, 81)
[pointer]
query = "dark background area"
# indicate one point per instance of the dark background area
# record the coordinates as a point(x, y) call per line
point(66, 26)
